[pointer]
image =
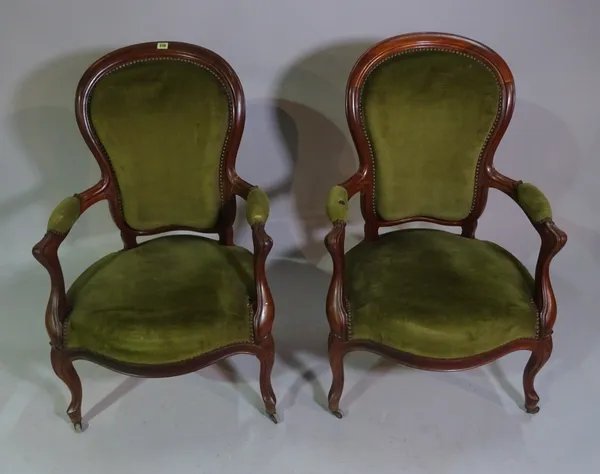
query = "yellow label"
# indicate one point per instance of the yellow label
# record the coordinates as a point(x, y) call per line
point(162, 45)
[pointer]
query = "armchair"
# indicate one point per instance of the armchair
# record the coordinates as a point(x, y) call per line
point(426, 112)
point(164, 122)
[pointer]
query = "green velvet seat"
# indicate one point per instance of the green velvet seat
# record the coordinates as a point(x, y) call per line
point(437, 294)
point(171, 299)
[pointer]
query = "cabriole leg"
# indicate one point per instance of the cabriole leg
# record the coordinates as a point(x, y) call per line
point(538, 359)
point(267, 360)
point(336, 360)
point(63, 367)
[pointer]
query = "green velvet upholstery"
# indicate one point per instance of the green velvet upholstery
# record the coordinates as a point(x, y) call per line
point(427, 116)
point(257, 207)
point(167, 300)
point(65, 215)
point(337, 204)
point(436, 294)
point(163, 124)
point(533, 202)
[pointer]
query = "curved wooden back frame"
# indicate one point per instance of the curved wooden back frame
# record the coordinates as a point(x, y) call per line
point(108, 187)
point(363, 181)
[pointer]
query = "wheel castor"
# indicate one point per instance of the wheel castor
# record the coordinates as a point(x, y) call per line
point(273, 417)
point(338, 414)
point(78, 427)
point(532, 411)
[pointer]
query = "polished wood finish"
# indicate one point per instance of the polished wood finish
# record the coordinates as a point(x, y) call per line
point(363, 179)
point(46, 251)
point(552, 238)
point(63, 368)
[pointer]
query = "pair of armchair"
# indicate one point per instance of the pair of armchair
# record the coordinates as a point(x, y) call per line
point(164, 121)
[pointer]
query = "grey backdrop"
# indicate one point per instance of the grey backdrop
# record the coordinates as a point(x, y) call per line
point(293, 60)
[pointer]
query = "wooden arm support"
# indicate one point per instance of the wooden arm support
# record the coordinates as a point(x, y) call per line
point(265, 307)
point(46, 252)
point(553, 240)
point(336, 311)
point(334, 241)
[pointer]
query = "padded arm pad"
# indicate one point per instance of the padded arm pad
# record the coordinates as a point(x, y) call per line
point(337, 204)
point(257, 209)
point(65, 215)
point(533, 202)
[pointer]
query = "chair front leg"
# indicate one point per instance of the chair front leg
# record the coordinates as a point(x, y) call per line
point(336, 315)
point(336, 360)
point(63, 368)
point(553, 240)
point(538, 359)
point(265, 307)
point(46, 252)
point(264, 317)
point(267, 360)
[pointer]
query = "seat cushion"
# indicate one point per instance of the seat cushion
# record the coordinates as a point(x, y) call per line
point(436, 294)
point(167, 300)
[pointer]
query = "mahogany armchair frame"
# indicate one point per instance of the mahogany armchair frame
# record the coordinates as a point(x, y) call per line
point(552, 238)
point(46, 251)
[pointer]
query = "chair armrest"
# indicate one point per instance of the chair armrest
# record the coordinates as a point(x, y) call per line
point(337, 204)
point(257, 212)
point(257, 201)
point(265, 307)
point(533, 202)
point(335, 308)
point(257, 208)
point(337, 212)
point(60, 223)
point(340, 195)
point(553, 240)
point(536, 206)
point(64, 216)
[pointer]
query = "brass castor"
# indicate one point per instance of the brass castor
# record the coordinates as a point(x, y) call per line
point(78, 427)
point(532, 411)
point(338, 414)
point(273, 417)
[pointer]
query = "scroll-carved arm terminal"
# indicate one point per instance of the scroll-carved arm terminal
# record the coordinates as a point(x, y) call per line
point(538, 210)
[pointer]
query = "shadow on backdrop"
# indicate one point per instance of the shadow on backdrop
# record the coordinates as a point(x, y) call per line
point(24, 344)
point(300, 333)
point(311, 92)
point(260, 158)
point(43, 120)
point(540, 148)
